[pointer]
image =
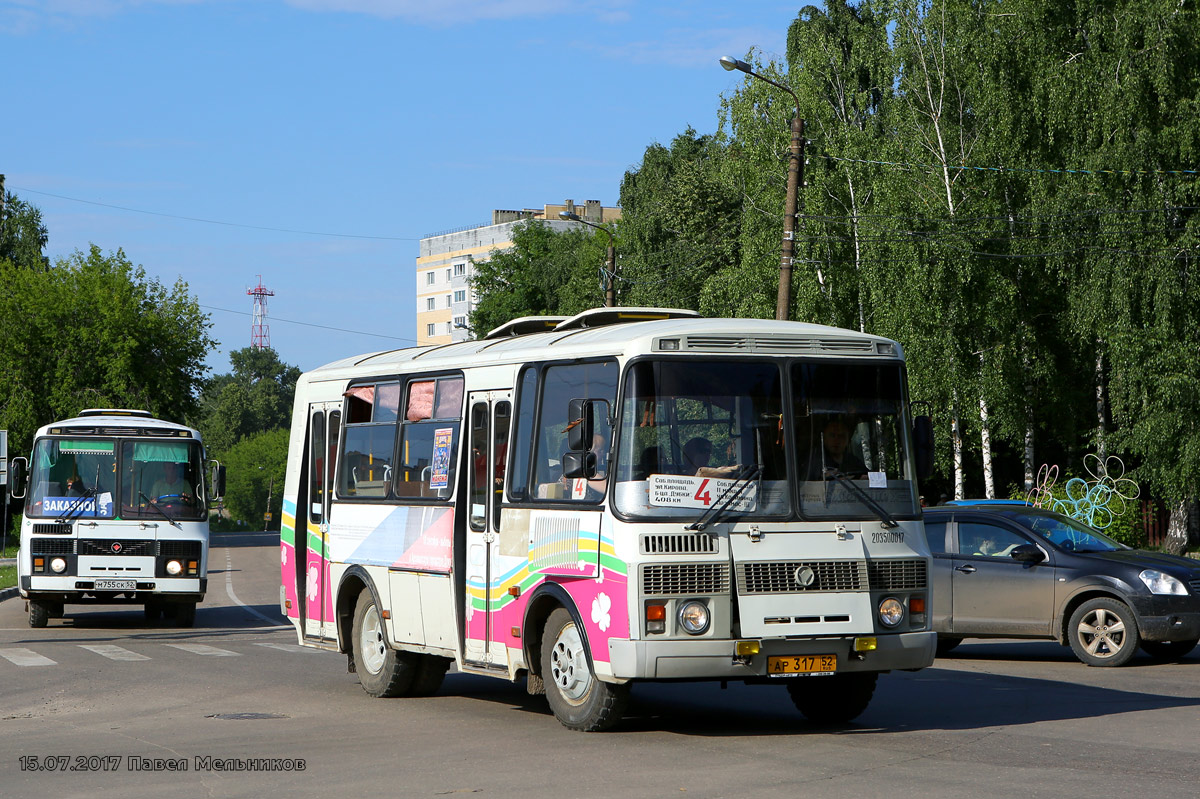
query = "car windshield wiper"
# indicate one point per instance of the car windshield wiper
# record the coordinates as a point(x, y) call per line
point(884, 517)
point(165, 515)
point(727, 498)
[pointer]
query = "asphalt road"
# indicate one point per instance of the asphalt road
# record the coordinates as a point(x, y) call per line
point(1006, 719)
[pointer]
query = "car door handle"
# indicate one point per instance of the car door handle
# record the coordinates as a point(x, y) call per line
point(965, 569)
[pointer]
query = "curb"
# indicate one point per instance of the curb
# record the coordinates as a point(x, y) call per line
point(8, 593)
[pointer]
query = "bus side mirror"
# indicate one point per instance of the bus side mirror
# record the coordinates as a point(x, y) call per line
point(218, 479)
point(579, 464)
point(923, 445)
point(579, 426)
point(16, 477)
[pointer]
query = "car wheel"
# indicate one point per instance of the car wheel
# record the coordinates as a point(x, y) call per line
point(946, 644)
point(1168, 650)
point(1103, 632)
point(833, 700)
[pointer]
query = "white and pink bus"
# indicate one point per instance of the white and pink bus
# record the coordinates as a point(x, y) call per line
point(624, 495)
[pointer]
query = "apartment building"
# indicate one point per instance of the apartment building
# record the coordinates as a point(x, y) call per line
point(444, 264)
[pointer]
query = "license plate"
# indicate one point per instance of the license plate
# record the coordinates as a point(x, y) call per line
point(116, 585)
point(801, 665)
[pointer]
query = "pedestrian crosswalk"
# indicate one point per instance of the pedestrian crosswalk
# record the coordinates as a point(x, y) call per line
point(21, 656)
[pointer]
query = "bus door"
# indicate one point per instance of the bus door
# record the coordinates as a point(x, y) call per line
point(312, 556)
point(490, 415)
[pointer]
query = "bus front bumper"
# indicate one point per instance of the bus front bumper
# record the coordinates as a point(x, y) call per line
point(70, 588)
point(717, 659)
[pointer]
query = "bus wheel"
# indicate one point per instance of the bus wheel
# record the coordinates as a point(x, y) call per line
point(431, 670)
point(578, 700)
point(184, 614)
point(833, 700)
point(382, 671)
point(152, 611)
point(39, 613)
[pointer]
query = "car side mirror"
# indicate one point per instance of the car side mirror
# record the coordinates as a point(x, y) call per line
point(16, 477)
point(579, 431)
point(1027, 553)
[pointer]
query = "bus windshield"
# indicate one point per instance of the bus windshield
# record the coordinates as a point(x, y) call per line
point(690, 430)
point(693, 433)
point(852, 447)
point(113, 478)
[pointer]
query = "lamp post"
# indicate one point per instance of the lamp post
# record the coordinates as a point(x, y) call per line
point(610, 293)
point(794, 182)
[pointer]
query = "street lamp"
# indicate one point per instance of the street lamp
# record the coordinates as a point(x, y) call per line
point(610, 293)
point(794, 181)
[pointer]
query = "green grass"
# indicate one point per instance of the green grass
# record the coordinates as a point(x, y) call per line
point(8, 576)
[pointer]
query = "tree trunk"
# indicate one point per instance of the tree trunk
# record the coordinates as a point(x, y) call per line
point(1177, 534)
point(1101, 426)
point(957, 443)
point(985, 438)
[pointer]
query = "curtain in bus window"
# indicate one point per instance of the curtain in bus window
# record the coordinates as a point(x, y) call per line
point(420, 400)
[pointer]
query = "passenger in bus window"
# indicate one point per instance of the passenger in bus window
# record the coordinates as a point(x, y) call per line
point(697, 453)
point(835, 454)
point(171, 487)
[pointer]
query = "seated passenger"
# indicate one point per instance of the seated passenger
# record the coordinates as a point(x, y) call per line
point(697, 453)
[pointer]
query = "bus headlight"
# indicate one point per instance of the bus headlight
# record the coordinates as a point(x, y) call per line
point(58, 565)
point(891, 612)
point(174, 567)
point(693, 617)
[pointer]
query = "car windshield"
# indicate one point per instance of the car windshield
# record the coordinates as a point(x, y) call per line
point(1068, 534)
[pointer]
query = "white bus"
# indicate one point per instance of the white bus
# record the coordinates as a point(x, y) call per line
point(625, 495)
point(116, 512)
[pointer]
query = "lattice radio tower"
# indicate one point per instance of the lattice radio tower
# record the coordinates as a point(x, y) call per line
point(260, 331)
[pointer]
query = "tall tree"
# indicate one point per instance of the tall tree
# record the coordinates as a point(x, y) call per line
point(94, 331)
point(23, 236)
point(255, 397)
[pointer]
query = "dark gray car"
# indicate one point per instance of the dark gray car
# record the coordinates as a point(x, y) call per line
point(1015, 571)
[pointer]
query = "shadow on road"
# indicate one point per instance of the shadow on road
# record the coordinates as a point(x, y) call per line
point(932, 700)
point(247, 539)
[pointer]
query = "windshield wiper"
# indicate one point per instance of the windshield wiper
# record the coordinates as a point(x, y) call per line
point(76, 506)
point(165, 515)
point(884, 517)
point(726, 499)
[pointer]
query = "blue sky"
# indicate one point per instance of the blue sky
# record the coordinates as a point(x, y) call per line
point(280, 122)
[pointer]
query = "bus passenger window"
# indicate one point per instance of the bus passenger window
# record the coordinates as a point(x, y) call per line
point(429, 441)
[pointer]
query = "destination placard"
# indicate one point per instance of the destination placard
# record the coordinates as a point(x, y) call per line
point(687, 491)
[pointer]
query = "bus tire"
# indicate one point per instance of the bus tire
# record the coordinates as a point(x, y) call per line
point(184, 614)
point(833, 700)
point(152, 611)
point(431, 670)
point(39, 613)
point(382, 671)
point(577, 698)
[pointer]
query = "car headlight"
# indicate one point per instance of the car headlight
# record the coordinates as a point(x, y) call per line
point(693, 617)
point(1162, 583)
point(891, 612)
point(174, 567)
point(58, 565)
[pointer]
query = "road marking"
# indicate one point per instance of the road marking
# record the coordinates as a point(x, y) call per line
point(202, 649)
point(289, 647)
point(113, 652)
point(25, 657)
point(234, 597)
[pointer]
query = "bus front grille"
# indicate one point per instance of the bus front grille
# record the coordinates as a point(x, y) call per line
point(106, 546)
point(52, 528)
point(52, 546)
point(901, 574)
point(788, 577)
point(179, 549)
point(685, 579)
point(678, 544)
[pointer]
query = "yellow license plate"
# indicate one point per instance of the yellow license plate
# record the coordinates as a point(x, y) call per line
point(801, 664)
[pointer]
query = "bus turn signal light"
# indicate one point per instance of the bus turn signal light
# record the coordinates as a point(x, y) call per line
point(916, 604)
